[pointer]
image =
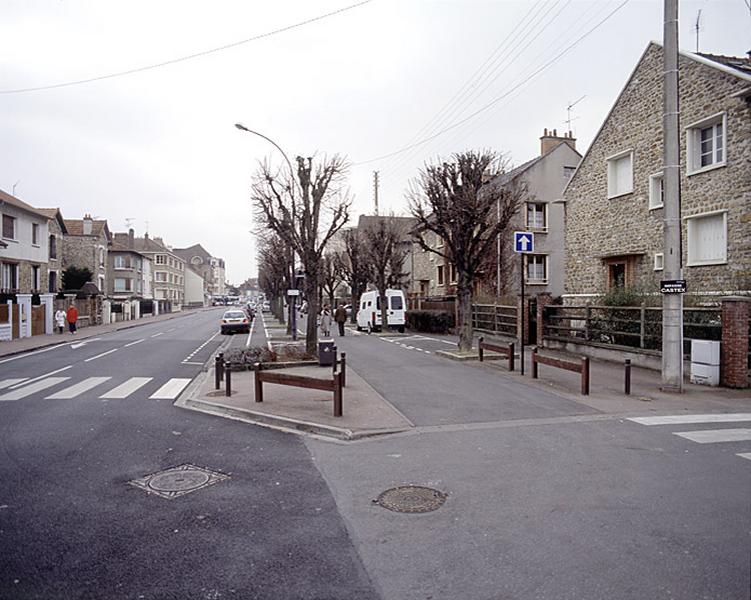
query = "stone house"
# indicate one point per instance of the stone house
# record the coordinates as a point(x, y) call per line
point(169, 272)
point(57, 231)
point(613, 202)
point(210, 268)
point(24, 250)
point(131, 272)
point(86, 244)
point(543, 178)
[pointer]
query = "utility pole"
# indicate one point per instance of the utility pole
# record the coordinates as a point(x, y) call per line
point(672, 304)
point(375, 190)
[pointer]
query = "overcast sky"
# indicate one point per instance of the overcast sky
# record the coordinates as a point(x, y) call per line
point(159, 146)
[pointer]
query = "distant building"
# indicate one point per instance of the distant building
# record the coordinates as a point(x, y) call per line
point(169, 272)
point(131, 271)
point(614, 203)
point(210, 268)
point(85, 246)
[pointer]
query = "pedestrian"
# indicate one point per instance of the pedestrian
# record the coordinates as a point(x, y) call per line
point(325, 321)
point(60, 320)
point(304, 307)
point(72, 317)
point(340, 316)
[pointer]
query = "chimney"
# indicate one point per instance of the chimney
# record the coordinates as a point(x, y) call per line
point(550, 140)
point(131, 239)
point(87, 224)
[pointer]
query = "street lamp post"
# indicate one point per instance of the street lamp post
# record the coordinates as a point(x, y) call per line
point(291, 300)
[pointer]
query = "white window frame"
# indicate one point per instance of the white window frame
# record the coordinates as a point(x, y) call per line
point(121, 260)
point(160, 276)
point(124, 287)
point(611, 160)
point(14, 223)
point(544, 216)
point(544, 281)
point(656, 191)
point(659, 261)
point(36, 277)
point(440, 275)
point(35, 235)
point(693, 144)
point(11, 273)
point(718, 261)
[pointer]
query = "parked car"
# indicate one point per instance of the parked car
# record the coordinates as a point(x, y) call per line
point(235, 320)
point(369, 313)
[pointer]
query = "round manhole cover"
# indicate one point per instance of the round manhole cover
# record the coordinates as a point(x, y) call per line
point(412, 499)
point(178, 481)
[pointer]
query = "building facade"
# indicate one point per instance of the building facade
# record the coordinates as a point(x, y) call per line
point(614, 203)
point(168, 271)
point(129, 269)
point(57, 232)
point(209, 267)
point(24, 250)
point(86, 245)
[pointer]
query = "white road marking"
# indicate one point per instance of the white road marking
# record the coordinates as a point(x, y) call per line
point(6, 383)
point(134, 343)
point(250, 333)
point(33, 388)
point(745, 455)
point(711, 436)
point(158, 334)
point(33, 379)
point(685, 419)
point(102, 354)
point(126, 389)
point(171, 389)
point(79, 388)
point(33, 353)
point(189, 362)
point(197, 350)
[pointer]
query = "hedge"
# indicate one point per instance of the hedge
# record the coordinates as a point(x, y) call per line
point(430, 321)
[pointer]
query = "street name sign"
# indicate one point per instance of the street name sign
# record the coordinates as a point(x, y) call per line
point(673, 286)
point(524, 241)
point(293, 292)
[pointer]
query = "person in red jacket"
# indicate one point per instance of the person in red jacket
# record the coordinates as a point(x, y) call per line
point(72, 317)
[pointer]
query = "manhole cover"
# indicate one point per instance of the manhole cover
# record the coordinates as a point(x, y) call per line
point(178, 481)
point(411, 499)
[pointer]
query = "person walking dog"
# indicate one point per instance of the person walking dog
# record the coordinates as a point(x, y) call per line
point(72, 317)
point(60, 320)
point(340, 316)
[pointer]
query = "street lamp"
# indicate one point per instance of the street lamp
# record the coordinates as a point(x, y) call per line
point(292, 302)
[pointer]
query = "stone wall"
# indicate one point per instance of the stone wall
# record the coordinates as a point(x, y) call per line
point(83, 251)
point(597, 227)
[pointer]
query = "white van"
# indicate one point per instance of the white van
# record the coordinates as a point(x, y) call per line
point(369, 311)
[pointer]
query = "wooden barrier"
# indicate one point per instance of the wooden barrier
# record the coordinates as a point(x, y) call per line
point(343, 362)
point(312, 383)
point(507, 351)
point(581, 366)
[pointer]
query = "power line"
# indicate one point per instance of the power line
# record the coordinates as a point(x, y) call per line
point(189, 56)
point(498, 98)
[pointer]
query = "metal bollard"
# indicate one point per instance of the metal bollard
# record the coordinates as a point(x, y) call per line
point(479, 347)
point(221, 366)
point(217, 372)
point(344, 369)
point(228, 382)
point(627, 377)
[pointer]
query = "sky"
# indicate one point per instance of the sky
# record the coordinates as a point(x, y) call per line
point(157, 149)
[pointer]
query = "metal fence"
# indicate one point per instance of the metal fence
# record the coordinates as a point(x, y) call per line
point(494, 318)
point(626, 327)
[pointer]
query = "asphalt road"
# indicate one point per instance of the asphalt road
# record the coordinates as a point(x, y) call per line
point(101, 415)
point(547, 498)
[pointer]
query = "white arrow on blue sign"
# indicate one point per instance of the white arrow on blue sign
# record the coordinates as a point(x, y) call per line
point(524, 241)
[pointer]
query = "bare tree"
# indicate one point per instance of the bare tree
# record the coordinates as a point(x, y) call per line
point(273, 271)
point(305, 210)
point(451, 200)
point(354, 268)
point(331, 275)
point(385, 255)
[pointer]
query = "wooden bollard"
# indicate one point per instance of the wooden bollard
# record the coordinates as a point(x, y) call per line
point(627, 377)
point(258, 382)
point(585, 376)
point(228, 380)
point(479, 347)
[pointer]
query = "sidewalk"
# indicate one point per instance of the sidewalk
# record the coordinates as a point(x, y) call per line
point(365, 412)
point(37, 342)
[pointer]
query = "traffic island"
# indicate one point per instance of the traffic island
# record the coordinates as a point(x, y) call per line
point(366, 413)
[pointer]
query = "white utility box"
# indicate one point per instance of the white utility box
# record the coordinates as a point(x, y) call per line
point(705, 362)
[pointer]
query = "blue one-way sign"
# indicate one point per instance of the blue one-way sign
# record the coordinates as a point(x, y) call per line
point(524, 241)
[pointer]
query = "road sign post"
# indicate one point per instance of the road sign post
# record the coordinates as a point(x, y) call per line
point(524, 242)
point(293, 294)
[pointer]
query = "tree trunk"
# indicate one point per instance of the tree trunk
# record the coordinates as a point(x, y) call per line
point(355, 305)
point(384, 309)
point(311, 330)
point(464, 316)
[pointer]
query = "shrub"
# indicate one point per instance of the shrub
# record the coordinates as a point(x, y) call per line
point(430, 321)
point(244, 358)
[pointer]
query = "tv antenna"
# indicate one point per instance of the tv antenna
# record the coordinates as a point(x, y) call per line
point(569, 118)
point(375, 190)
point(697, 28)
point(129, 222)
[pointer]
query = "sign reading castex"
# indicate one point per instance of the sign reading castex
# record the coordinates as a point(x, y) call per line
point(673, 286)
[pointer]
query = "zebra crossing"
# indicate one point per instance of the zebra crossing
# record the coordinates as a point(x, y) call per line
point(64, 388)
point(705, 436)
